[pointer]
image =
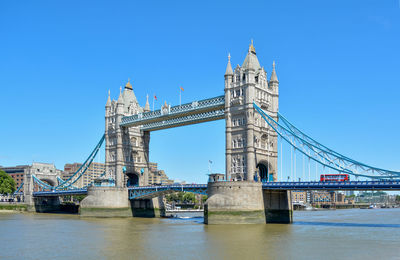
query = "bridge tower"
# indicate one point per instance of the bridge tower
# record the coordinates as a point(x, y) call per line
point(127, 149)
point(251, 146)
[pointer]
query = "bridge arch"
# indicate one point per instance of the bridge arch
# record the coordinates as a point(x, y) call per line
point(265, 171)
point(133, 179)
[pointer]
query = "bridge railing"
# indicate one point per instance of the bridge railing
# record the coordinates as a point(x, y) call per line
point(184, 108)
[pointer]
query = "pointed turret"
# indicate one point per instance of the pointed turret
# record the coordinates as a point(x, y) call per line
point(251, 60)
point(147, 106)
point(120, 99)
point(273, 78)
point(128, 85)
point(108, 104)
point(229, 70)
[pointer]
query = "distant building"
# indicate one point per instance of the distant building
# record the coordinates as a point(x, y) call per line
point(158, 177)
point(93, 172)
point(17, 173)
point(299, 197)
point(323, 197)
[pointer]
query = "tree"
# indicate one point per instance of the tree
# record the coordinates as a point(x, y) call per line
point(7, 184)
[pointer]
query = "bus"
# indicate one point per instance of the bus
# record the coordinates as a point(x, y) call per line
point(334, 177)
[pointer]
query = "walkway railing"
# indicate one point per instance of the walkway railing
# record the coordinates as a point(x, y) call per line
point(194, 108)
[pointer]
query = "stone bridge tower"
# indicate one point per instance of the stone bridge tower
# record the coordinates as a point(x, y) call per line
point(251, 145)
point(127, 149)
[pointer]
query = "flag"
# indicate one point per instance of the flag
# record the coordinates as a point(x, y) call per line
point(155, 97)
point(182, 89)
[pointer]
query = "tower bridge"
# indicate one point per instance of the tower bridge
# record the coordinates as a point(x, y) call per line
point(250, 192)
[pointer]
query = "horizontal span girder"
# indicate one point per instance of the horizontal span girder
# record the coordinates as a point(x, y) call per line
point(185, 120)
point(146, 192)
point(56, 193)
point(349, 185)
point(181, 111)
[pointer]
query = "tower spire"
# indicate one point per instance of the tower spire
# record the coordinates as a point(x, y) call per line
point(229, 70)
point(147, 106)
point(108, 104)
point(120, 100)
point(273, 78)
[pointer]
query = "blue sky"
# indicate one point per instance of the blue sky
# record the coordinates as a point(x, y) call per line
point(337, 61)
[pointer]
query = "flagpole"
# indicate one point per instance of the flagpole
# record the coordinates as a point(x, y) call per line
point(180, 91)
point(153, 102)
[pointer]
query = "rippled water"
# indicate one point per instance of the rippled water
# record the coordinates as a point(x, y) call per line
point(335, 234)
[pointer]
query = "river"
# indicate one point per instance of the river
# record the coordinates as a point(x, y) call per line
point(330, 234)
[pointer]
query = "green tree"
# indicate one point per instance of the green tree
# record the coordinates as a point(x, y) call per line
point(189, 197)
point(7, 184)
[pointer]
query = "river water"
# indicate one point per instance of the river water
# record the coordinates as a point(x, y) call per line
point(331, 234)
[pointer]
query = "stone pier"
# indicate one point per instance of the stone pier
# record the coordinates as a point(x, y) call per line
point(246, 203)
point(233, 202)
point(106, 202)
point(278, 206)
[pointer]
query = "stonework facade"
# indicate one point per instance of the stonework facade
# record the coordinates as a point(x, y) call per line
point(251, 145)
point(127, 149)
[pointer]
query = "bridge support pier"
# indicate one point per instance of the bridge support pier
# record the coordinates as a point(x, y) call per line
point(106, 202)
point(245, 202)
point(278, 206)
point(233, 202)
point(148, 208)
point(45, 204)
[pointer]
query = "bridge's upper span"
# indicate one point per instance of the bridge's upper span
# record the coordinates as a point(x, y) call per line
point(167, 117)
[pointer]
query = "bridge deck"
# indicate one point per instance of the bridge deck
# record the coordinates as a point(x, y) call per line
point(143, 192)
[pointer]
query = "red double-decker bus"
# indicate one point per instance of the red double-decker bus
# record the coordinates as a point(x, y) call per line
point(334, 177)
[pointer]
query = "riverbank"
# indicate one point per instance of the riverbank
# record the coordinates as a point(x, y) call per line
point(7, 207)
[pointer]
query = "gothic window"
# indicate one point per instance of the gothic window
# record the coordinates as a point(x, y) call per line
point(133, 141)
point(238, 92)
point(244, 77)
point(237, 78)
point(234, 122)
point(256, 78)
point(239, 143)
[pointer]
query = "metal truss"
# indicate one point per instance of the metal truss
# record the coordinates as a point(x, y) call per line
point(185, 120)
point(68, 184)
point(321, 154)
point(55, 193)
point(146, 192)
point(348, 185)
point(189, 113)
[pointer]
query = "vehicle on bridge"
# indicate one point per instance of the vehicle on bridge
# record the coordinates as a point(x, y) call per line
point(334, 177)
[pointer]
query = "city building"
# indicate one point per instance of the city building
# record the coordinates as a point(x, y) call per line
point(158, 177)
point(48, 169)
point(299, 197)
point(17, 173)
point(93, 172)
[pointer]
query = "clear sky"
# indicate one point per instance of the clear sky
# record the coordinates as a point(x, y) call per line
point(338, 63)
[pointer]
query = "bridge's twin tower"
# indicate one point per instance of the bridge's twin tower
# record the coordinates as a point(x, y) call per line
point(251, 146)
point(251, 149)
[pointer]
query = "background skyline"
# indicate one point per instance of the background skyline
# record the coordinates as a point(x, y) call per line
point(337, 64)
